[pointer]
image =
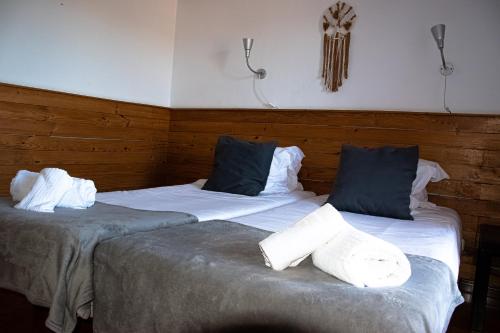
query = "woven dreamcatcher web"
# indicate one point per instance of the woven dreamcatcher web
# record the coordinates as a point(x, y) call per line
point(337, 23)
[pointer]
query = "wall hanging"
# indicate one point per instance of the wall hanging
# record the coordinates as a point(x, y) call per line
point(337, 23)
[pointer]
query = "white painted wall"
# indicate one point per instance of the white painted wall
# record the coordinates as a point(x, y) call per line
point(394, 60)
point(118, 49)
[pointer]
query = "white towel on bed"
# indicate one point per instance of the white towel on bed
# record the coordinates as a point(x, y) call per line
point(362, 259)
point(22, 183)
point(292, 245)
point(81, 195)
point(47, 191)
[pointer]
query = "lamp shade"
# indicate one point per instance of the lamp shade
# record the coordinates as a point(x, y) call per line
point(438, 33)
point(247, 44)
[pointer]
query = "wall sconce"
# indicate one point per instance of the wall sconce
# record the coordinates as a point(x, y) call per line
point(438, 33)
point(446, 67)
point(247, 44)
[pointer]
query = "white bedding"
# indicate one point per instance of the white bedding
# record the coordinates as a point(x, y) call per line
point(434, 233)
point(205, 205)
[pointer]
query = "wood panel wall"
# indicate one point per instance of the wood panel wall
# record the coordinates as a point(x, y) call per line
point(118, 145)
point(466, 146)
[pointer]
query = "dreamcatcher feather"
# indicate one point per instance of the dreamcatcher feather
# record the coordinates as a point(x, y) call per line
point(336, 42)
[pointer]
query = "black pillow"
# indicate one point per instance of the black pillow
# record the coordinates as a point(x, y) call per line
point(240, 167)
point(375, 181)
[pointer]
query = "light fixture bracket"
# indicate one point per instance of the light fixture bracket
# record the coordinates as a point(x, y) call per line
point(260, 73)
point(448, 70)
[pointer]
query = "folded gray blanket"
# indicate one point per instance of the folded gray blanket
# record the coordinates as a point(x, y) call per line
point(48, 257)
point(210, 277)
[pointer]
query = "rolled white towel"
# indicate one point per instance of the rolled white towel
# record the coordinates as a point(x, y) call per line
point(22, 183)
point(362, 260)
point(47, 191)
point(81, 195)
point(292, 245)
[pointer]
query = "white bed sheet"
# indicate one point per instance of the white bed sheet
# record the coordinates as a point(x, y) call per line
point(434, 232)
point(205, 205)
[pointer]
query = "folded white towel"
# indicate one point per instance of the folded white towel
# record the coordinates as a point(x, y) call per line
point(362, 259)
point(290, 246)
point(47, 191)
point(22, 183)
point(81, 195)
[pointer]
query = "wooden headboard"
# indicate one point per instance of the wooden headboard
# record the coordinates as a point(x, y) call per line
point(118, 145)
point(466, 146)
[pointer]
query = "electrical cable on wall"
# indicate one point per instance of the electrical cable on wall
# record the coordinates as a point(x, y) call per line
point(445, 107)
point(261, 96)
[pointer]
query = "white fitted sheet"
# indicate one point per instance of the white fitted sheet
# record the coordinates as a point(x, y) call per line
point(434, 232)
point(205, 205)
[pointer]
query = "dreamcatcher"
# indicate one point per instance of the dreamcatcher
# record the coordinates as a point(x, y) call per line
point(336, 41)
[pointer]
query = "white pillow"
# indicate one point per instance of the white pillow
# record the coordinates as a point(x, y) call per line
point(284, 169)
point(427, 171)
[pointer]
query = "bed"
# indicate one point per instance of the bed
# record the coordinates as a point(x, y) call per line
point(48, 257)
point(211, 277)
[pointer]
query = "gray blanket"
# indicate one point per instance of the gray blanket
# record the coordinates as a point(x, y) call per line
point(210, 277)
point(48, 257)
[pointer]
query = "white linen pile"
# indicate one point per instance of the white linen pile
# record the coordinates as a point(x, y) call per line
point(52, 187)
point(338, 249)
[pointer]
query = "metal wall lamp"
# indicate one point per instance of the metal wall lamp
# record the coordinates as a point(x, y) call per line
point(247, 44)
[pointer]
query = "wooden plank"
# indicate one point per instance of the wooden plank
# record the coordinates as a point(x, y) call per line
point(34, 96)
point(78, 129)
point(360, 136)
point(47, 143)
point(313, 146)
point(476, 207)
point(353, 118)
point(318, 187)
point(492, 159)
point(14, 157)
point(490, 192)
point(471, 175)
point(339, 119)
point(19, 126)
point(458, 189)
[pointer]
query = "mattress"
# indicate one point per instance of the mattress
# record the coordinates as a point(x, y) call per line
point(205, 205)
point(434, 232)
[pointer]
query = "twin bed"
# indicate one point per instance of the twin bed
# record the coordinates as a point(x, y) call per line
point(210, 276)
point(181, 259)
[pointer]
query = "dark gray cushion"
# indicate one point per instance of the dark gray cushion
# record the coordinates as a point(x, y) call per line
point(375, 181)
point(240, 167)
